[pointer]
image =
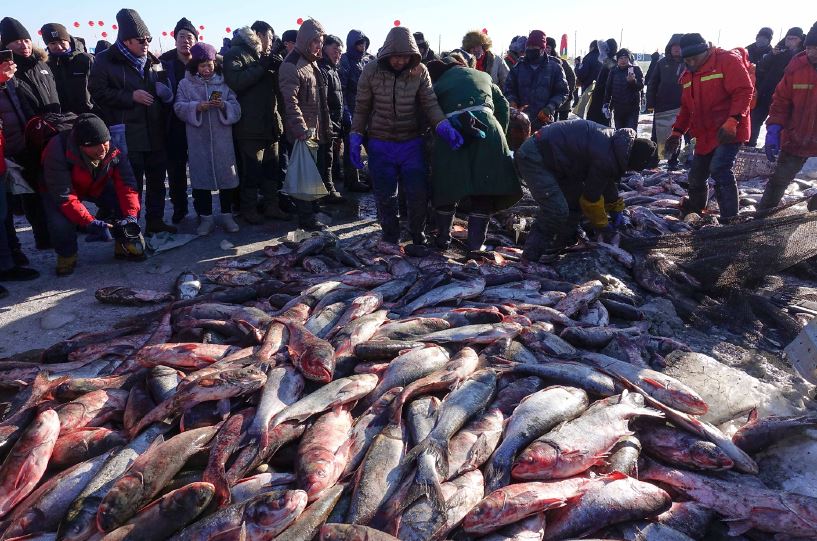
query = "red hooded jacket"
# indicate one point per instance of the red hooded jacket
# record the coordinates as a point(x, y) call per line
point(794, 106)
point(68, 180)
point(720, 88)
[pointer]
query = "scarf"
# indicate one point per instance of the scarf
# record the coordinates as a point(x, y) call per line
point(138, 63)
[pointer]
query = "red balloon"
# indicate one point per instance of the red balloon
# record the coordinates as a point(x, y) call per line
point(172, 33)
point(228, 30)
point(90, 23)
point(164, 33)
point(201, 27)
point(39, 32)
point(300, 21)
point(484, 30)
point(201, 37)
point(101, 23)
point(114, 27)
point(397, 22)
point(76, 24)
point(104, 34)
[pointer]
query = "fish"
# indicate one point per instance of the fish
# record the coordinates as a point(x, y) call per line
point(364, 429)
point(535, 416)
point(359, 306)
point(451, 292)
point(261, 483)
point(579, 298)
point(127, 296)
point(320, 460)
point(92, 409)
point(411, 328)
point(566, 373)
point(83, 444)
point(26, 462)
point(529, 529)
point(284, 386)
point(690, 518)
point(335, 393)
point(384, 349)
point(314, 357)
point(358, 331)
point(637, 531)
point(349, 532)
point(474, 334)
point(758, 433)
point(407, 368)
point(181, 355)
point(323, 321)
point(225, 442)
point(308, 523)
point(680, 448)
point(624, 457)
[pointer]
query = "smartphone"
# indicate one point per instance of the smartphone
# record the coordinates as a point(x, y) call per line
point(215, 95)
point(6, 56)
point(630, 71)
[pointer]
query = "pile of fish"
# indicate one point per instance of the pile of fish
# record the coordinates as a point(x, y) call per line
point(348, 392)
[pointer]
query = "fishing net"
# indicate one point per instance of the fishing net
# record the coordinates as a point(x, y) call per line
point(739, 254)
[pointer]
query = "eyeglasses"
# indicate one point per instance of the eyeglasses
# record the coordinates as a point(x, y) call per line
point(143, 41)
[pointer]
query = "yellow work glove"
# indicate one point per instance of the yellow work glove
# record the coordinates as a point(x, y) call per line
point(615, 206)
point(594, 211)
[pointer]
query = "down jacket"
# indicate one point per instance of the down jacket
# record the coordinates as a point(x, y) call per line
point(586, 158)
point(622, 94)
point(68, 180)
point(304, 89)
point(71, 74)
point(794, 106)
point(663, 89)
point(35, 83)
point(351, 66)
point(543, 86)
point(720, 88)
point(209, 133)
point(390, 106)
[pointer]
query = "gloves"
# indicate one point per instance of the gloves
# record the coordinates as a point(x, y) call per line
point(619, 220)
point(347, 118)
point(605, 110)
point(672, 144)
point(594, 212)
point(355, 146)
point(469, 126)
point(164, 92)
point(615, 206)
point(545, 116)
point(773, 141)
point(450, 135)
point(98, 231)
point(728, 132)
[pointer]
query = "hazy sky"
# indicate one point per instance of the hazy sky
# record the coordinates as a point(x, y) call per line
point(646, 26)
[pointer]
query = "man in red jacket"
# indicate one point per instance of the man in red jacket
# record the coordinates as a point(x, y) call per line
point(83, 165)
point(791, 128)
point(715, 99)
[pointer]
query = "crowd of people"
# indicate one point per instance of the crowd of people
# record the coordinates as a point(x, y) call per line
point(122, 126)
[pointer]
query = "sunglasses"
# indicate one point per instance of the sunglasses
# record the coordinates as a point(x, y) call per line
point(143, 41)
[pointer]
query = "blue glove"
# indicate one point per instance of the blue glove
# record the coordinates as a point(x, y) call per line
point(98, 231)
point(619, 220)
point(773, 141)
point(355, 146)
point(449, 134)
point(347, 118)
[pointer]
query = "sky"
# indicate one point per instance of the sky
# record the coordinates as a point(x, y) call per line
point(642, 26)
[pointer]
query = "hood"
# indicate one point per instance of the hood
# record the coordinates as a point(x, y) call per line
point(353, 37)
point(310, 30)
point(399, 41)
point(674, 40)
point(216, 79)
point(622, 142)
point(246, 37)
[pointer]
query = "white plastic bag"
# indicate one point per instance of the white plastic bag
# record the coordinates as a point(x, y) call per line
point(303, 180)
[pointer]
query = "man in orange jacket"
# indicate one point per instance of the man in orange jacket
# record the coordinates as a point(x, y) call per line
point(791, 128)
point(716, 94)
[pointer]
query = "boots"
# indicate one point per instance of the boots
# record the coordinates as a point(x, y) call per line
point(727, 196)
point(157, 225)
point(772, 196)
point(477, 231)
point(306, 217)
point(227, 222)
point(444, 220)
point(206, 225)
point(66, 265)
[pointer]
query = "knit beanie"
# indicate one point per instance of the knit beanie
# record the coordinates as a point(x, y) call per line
point(54, 32)
point(552, 44)
point(201, 52)
point(185, 24)
point(90, 130)
point(101, 45)
point(766, 32)
point(289, 35)
point(12, 30)
point(811, 37)
point(536, 39)
point(623, 52)
point(693, 44)
point(640, 154)
point(131, 25)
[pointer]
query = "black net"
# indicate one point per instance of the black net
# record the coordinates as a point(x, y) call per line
point(738, 254)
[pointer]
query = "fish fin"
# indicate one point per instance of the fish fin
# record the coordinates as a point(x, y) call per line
point(654, 383)
point(616, 476)
point(415, 451)
point(480, 447)
point(752, 416)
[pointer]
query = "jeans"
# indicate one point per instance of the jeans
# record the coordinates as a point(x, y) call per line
point(63, 231)
point(626, 118)
point(177, 178)
point(393, 164)
point(259, 172)
point(203, 201)
point(6, 261)
point(719, 165)
point(149, 168)
point(788, 165)
point(554, 212)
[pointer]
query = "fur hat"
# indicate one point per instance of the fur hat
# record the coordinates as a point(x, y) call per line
point(131, 25)
point(54, 32)
point(475, 38)
point(12, 30)
point(185, 24)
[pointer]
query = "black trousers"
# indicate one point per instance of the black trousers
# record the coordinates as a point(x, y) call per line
point(203, 201)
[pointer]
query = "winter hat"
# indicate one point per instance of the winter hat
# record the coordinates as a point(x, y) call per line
point(420, 39)
point(185, 24)
point(693, 44)
point(640, 154)
point(90, 130)
point(796, 32)
point(101, 45)
point(475, 38)
point(436, 68)
point(623, 52)
point(331, 39)
point(612, 47)
point(54, 32)
point(518, 44)
point(289, 35)
point(811, 37)
point(12, 30)
point(131, 25)
point(552, 44)
point(767, 32)
point(536, 39)
point(202, 52)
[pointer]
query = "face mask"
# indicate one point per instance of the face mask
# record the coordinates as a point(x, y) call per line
point(532, 55)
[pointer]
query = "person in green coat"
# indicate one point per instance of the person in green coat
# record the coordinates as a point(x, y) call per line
point(480, 176)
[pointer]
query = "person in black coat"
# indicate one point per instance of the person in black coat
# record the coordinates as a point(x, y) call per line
point(664, 94)
point(762, 45)
point(654, 58)
point(570, 75)
point(71, 67)
point(607, 50)
point(328, 64)
point(622, 94)
point(769, 73)
point(588, 69)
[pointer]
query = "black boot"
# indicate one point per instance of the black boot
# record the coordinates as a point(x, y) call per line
point(443, 220)
point(728, 203)
point(477, 231)
point(772, 196)
point(306, 217)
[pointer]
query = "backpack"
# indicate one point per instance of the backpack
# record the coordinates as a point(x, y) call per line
point(40, 129)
